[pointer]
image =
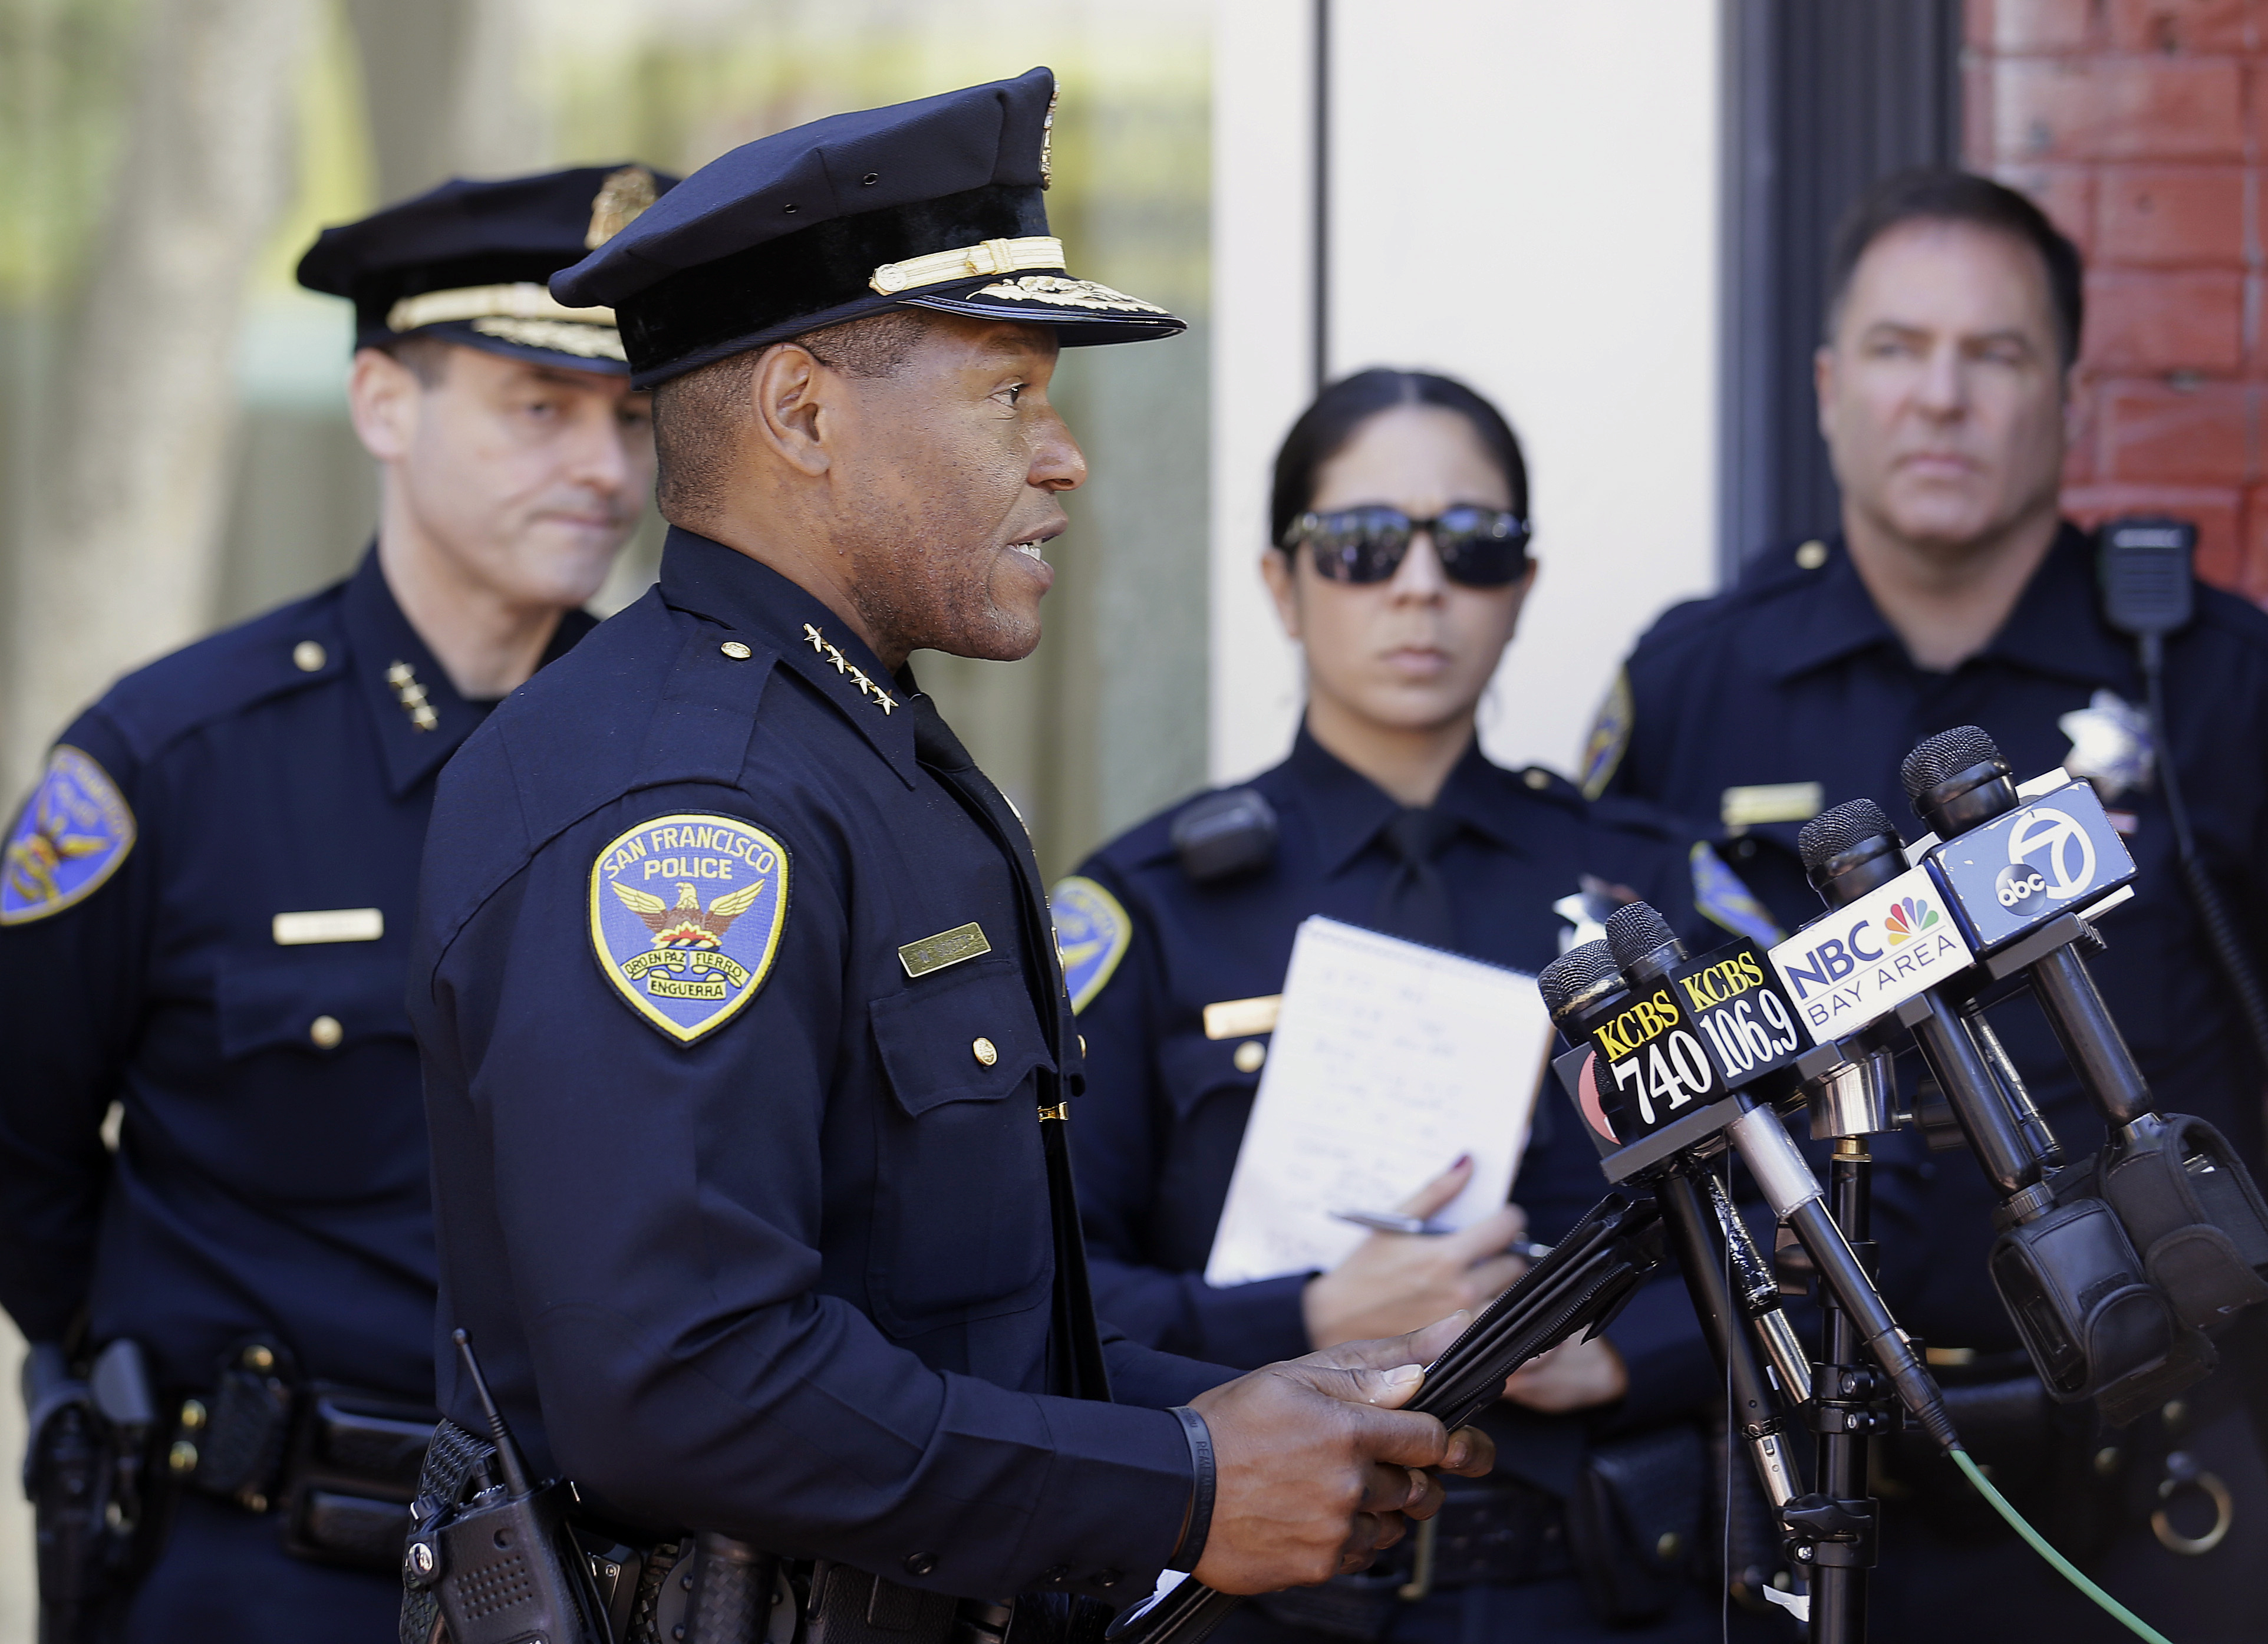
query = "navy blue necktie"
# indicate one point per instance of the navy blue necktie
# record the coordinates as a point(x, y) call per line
point(1414, 903)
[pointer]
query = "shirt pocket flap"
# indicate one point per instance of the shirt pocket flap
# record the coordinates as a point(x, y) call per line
point(319, 1003)
point(1193, 1066)
point(936, 1037)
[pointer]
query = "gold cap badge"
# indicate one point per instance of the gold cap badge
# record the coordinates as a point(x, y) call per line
point(625, 194)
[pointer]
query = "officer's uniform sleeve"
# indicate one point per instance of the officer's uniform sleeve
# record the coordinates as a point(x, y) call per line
point(662, 1209)
point(1124, 1124)
point(74, 914)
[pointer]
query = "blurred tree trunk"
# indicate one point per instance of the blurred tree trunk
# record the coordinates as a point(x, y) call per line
point(121, 559)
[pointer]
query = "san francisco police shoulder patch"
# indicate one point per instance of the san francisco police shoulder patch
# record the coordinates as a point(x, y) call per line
point(686, 917)
point(1610, 738)
point(74, 831)
point(1092, 933)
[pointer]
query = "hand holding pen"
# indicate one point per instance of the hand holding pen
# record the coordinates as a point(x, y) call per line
point(1391, 1282)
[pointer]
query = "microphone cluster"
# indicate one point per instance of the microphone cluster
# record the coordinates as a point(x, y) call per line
point(2118, 1268)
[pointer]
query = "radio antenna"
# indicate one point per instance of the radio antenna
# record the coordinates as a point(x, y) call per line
point(515, 1473)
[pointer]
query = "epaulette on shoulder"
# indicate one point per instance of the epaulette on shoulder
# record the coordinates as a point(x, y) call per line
point(288, 649)
point(1764, 581)
point(1546, 783)
point(1148, 844)
point(615, 713)
point(1235, 835)
point(1624, 815)
point(620, 711)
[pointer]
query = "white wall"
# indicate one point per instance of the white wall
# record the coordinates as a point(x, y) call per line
point(1524, 195)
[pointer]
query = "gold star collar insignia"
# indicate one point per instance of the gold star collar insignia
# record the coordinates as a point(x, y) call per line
point(867, 689)
point(411, 696)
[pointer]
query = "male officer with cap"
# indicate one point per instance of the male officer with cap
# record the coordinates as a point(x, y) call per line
point(747, 1053)
point(1956, 593)
point(205, 910)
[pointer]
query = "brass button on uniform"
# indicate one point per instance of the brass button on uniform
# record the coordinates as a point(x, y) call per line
point(735, 650)
point(182, 1458)
point(984, 1051)
point(1250, 1056)
point(308, 656)
point(1536, 778)
point(1812, 555)
point(326, 1032)
point(257, 1357)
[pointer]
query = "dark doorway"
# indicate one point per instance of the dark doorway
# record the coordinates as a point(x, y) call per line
point(1819, 99)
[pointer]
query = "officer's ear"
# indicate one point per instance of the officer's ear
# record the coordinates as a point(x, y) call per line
point(1822, 387)
point(383, 402)
point(1277, 570)
point(794, 405)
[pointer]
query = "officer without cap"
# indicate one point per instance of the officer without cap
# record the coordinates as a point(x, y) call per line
point(1956, 593)
point(205, 911)
point(1400, 567)
point(749, 1056)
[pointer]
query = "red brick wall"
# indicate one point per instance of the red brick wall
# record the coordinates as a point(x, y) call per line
point(2140, 125)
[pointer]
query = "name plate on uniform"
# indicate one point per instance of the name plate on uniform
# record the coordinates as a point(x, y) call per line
point(946, 947)
point(328, 924)
point(1770, 802)
point(1242, 1018)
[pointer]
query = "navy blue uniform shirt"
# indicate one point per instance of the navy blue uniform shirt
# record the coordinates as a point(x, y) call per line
point(737, 1155)
point(1166, 1106)
point(1795, 677)
point(272, 1172)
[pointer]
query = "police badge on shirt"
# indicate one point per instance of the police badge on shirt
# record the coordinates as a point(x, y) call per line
point(686, 916)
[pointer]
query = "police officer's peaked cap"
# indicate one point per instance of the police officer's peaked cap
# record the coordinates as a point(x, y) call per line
point(932, 204)
point(469, 262)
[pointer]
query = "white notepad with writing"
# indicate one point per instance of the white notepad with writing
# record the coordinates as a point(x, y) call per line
point(1390, 1059)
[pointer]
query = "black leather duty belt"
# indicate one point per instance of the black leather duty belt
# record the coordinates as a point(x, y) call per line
point(339, 1462)
point(1496, 1534)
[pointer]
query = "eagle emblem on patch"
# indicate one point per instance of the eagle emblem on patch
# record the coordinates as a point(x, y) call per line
point(73, 833)
point(1092, 935)
point(686, 917)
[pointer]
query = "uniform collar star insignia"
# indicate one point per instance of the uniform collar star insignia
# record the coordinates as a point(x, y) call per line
point(411, 694)
point(2109, 744)
point(867, 689)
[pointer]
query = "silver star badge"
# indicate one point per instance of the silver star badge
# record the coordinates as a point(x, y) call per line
point(2109, 744)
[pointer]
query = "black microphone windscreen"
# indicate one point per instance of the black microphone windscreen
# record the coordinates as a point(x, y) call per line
point(1937, 757)
point(1831, 833)
point(1635, 930)
point(1575, 973)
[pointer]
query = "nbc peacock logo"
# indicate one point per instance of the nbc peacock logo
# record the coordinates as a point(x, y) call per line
point(1908, 918)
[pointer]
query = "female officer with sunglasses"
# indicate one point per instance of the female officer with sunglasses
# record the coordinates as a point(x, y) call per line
point(1400, 520)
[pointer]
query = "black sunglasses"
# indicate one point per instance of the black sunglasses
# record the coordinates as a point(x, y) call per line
point(1480, 548)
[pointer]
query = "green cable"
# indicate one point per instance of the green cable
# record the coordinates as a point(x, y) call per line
point(2039, 1544)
